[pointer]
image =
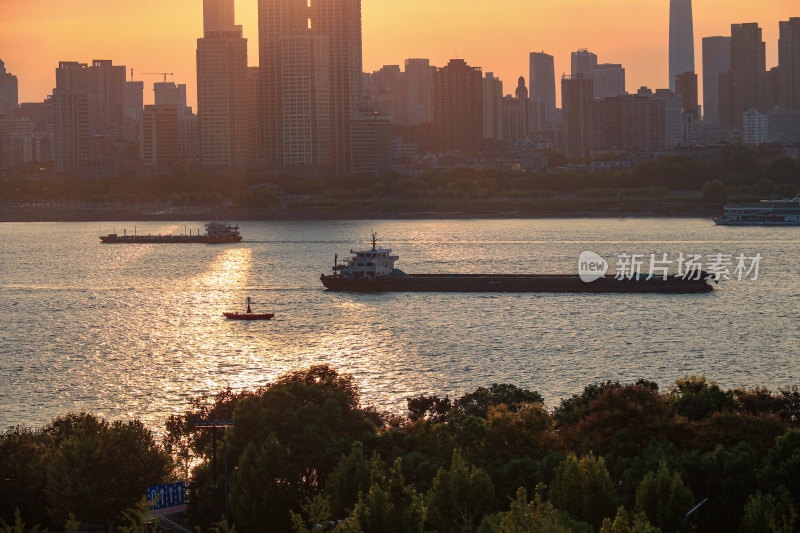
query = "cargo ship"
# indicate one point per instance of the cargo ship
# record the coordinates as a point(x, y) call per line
point(216, 233)
point(765, 213)
point(374, 271)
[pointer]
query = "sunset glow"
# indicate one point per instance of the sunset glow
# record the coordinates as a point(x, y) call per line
point(155, 36)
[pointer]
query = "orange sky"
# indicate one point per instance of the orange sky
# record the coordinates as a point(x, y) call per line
point(159, 35)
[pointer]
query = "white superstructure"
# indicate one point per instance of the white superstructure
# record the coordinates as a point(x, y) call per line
point(372, 263)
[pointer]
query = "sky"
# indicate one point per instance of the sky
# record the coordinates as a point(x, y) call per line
point(153, 36)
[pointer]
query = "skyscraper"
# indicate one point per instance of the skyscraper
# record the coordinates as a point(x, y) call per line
point(716, 60)
point(71, 97)
point(222, 88)
point(686, 88)
point(789, 62)
point(681, 39)
point(609, 80)
point(419, 91)
point(743, 86)
point(521, 93)
point(9, 89)
point(340, 22)
point(577, 95)
point(583, 63)
point(492, 107)
point(458, 107)
point(543, 89)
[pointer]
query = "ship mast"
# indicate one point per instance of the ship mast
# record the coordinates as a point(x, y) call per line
point(374, 236)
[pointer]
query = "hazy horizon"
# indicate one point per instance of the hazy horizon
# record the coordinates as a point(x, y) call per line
point(497, 37)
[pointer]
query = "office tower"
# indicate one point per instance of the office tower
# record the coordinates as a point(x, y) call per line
point(222, 88)
point(686, 88)
point(609, 80)
point(716, 60)
point(543, 89)
point(522, 96)
point(458, 107)
point(71, 97)
point(9, 89)
point(159, 139)
point(673, 117)
point(106, 89)
point(419, 91)
point(577, 95)
point(306, 119)
point(492, 107)
point(789, 63)
point(256, 123)
point(340, 22)
point(755, 127)
point(583, 63)
point(384, 91)
point(372, 144)
point(681, 39)
point(742, 88)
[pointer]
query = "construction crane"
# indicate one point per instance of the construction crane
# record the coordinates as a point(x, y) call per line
point(165, 74)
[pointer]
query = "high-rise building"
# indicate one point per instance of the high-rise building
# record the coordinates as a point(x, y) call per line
point(755, 127)
point(159, 139)
point(609, 80)
point(577, 95)
point(716, 60)
point(72, 132)
point(629, 122)
point(340, 22)
point(306, 101)
point(789, 63)
point(583, 63)
point(742, 88)
point(222, 88)
point(106, 96)
point(170, 93)
point(492, 107)
point(681, 39)
point(686, 88)
point(543, 89)
point(372, 144)
point(9, 89)
point(513, 119)
point(133, 101)
point(458, 107)
point(419, 91)
point(522, 95)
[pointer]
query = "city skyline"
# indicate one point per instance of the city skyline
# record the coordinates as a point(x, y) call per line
point(33, 40)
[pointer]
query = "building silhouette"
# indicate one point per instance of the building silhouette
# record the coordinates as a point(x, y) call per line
point(458, 107)
point(577, 95)
point(629, 123)
point(609, 80)
point(686, 88)
point(159, 140)
point(522, 95)
point(223, 104)
point(716, 60)
point(419, 91)
point(492, 107)
point(542, 89)
point(9, 89)
point(681, 39)
point(583, 63)
point(789, 63)
point(71, 97)
point(743, 86)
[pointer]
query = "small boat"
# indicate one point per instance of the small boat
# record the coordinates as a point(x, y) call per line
point(249, 315)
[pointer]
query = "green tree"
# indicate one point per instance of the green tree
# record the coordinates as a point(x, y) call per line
point(354, 474)
point(390, 506)
point(460, 497)
point(664, 498)
point(534, 516)
point(477, 403)
point(583, 489)
point(714, 191)
point(23, 474)
point(696, 398)
point(768, 513)
point(625, 522)
point(100, 469)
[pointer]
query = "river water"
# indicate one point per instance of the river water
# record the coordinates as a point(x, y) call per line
point(136, 330)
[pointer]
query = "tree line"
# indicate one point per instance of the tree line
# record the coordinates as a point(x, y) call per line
point(304, 455)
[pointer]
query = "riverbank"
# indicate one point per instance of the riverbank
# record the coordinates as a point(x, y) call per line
point(363, 210)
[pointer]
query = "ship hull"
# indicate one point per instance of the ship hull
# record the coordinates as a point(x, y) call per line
point(168, 239)
point(513, 283)
point(775, 223)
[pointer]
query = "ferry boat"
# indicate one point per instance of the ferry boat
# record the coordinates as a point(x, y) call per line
point(216, 233)
point(765, 213)
point(374, 271)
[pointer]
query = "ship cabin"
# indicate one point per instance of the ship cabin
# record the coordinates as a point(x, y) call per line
point(369, 264)
point(219, 230)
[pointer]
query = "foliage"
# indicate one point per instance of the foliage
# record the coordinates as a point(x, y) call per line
point(478, 403)
point(696, 399)
point(460, 497)
point(354, 474)
point(97, 470)
point(664, 498)
point(18, 526)
point(537, 515)
point(768, 513)
point(714, 191)
point(583, 489)
point(430, 408)
point(625, 522)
